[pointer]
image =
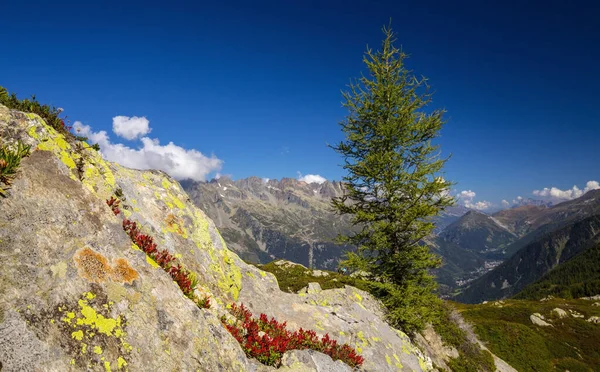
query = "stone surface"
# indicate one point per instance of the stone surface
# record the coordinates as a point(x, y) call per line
point(311, 361)
point(594, 319)
point(538, 319)
point(431, 343)
point(76, 295)
point(591, 298)
point(560, 313)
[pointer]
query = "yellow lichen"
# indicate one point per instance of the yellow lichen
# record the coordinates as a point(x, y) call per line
point(95, 320)
point(121, 362)
point(152, 262)
point(78, 335)
point(97, 350)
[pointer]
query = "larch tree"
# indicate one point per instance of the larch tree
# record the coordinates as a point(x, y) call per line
point(394, 183)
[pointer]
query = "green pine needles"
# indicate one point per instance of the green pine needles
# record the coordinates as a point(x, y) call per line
point(394, 183)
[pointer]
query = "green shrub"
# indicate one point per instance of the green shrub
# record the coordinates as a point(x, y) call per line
point(50, 114)
point(10, 159)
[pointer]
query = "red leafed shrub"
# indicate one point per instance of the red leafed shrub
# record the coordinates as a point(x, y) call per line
point(114, 205)
point(185, 279)
point(267, 339)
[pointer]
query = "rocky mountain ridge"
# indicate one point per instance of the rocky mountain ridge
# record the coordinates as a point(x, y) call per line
point(267, 219)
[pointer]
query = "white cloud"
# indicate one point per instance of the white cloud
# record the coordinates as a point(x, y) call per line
point(505, 203)
point(130, 128)
point(467, 197)
point(311, 178)
point(481, 205)
point(176, 161)
point(555, 193)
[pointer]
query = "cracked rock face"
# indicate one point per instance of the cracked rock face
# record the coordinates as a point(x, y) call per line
point(75, 294)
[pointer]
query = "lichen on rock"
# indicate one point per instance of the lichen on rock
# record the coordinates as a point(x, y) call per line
point(92, 301)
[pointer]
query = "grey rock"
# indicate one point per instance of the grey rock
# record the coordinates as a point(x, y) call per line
point(538, 319)
point(560, 313)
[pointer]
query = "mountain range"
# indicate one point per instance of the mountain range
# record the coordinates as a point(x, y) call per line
point(263, 220)
point(484, 256)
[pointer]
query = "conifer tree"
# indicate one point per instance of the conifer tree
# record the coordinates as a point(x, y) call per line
point(394, 182)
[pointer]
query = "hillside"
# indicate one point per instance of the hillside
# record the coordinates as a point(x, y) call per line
point(82, 288)
point(578, 277)
point(564, 336)
point(533, 261)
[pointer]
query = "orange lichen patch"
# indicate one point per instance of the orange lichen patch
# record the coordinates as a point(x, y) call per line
point(122, 272)
point(92, 265)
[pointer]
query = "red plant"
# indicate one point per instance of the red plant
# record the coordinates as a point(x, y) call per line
point(275, 340)
point(114, 205)
point(186, 280)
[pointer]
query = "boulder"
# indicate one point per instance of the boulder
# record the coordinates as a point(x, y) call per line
point(538, 319)
point(594, 319)
point(560, 313)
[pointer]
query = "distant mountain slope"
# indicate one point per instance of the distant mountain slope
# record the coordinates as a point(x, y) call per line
point(533, 261)
point(518, 220)
point(479, 233)
point(263, 220)
point(578, 277)
point(534, 223)
point(449, 216)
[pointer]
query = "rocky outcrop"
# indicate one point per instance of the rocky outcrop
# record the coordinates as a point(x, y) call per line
point(75, 294)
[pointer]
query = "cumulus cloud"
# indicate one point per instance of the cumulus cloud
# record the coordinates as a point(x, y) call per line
point(505, 203)
point(130, 128)
point(554, 193)
point(467, 197)
point(311, 178)
point(176, 161)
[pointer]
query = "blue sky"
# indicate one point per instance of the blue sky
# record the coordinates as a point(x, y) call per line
point(255, 86)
